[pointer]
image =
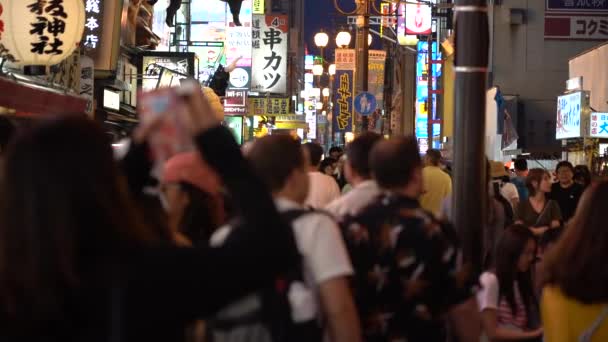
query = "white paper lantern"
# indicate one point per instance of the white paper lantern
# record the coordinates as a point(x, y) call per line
point(40, 32)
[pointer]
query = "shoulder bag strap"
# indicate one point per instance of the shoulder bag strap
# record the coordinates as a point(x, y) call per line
point(588, 334)
point(542, 213)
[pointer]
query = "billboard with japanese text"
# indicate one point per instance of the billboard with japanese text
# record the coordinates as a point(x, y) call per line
point(569, 112)
point(269, 46)
point(576, 19)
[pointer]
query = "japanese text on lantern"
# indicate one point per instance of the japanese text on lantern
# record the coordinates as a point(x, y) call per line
point(93, 10)
point(344, 102)
point(48, 25)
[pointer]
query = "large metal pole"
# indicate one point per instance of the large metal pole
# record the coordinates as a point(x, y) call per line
point(471, 64)
point(362, 53)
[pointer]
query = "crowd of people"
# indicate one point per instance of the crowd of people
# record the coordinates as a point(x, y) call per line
point(273, 242)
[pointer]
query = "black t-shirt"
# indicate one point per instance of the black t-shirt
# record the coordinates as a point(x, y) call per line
point(567, 198)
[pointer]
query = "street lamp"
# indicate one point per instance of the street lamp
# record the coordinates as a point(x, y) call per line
point(369, 39)
point(317, 70)
point(321, 41)
point(332, 69)
point(343, 39)
point(325, 92)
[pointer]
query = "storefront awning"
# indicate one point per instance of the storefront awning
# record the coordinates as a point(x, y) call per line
point(35, 100)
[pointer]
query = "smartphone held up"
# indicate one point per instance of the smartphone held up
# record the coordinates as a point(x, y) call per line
point(164, 114)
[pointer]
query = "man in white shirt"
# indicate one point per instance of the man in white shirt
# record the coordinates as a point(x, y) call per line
point(358, 174)
point(323, 188)
point(282, 164)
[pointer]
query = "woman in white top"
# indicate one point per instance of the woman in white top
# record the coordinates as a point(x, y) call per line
point(507, 301)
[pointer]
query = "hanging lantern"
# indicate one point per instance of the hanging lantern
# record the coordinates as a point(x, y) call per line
point(40, 33)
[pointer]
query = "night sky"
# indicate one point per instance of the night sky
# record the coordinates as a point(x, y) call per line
point(321, 14)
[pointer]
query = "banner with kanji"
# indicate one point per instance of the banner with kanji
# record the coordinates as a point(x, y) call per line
point(269, 44)
point(344, 88)
point(268, 107)
point(375, 85)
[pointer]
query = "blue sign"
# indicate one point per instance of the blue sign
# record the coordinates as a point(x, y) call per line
point(343, 106)
point(365, 103)
point(422, 128)
point(599, 125)
point(577, 5)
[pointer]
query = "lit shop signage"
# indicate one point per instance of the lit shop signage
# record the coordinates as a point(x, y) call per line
point(258, 6)
point(93, 24)
point(270, 54)
point(569, 110)
point(599, 125)
point(418, 19)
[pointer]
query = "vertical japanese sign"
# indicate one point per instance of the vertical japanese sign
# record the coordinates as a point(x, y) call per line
point(258, 6)
point(377, 61)
point(576, 19)
point(87, 81)
point(93, 25)
point(238, 48)
point(344, 88)
point(270, 34)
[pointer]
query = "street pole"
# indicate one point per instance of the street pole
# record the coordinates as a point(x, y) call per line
point(362, 54)
point(470, 66)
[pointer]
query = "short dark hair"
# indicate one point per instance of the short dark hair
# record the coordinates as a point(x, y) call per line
point(329, 161)
point(336, 149)
point(315, 151)
point(394, 161)
point(521, 164)
point(434, 156)
point(564, 163)
point(274, 158)
point(358, 153)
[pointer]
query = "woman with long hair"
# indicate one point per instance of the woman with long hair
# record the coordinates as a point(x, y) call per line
point(575, 296)
point(78, 264)
point(507, 301)
point(538, 212)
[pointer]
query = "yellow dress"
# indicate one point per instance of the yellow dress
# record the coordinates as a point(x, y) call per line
point(565, 319)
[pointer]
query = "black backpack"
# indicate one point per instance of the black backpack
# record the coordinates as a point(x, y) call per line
point(266, 316)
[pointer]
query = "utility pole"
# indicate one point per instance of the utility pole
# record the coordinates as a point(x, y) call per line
point(471, 67)
point(362, 49)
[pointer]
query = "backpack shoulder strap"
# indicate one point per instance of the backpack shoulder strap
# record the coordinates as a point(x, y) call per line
point(588, 333)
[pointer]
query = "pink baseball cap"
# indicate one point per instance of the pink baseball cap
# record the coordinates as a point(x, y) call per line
point(189, 167)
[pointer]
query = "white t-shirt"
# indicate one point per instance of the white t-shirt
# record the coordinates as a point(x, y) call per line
point(323, 190)
point(488, 298)
point(323, 253)
point(355, 200)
